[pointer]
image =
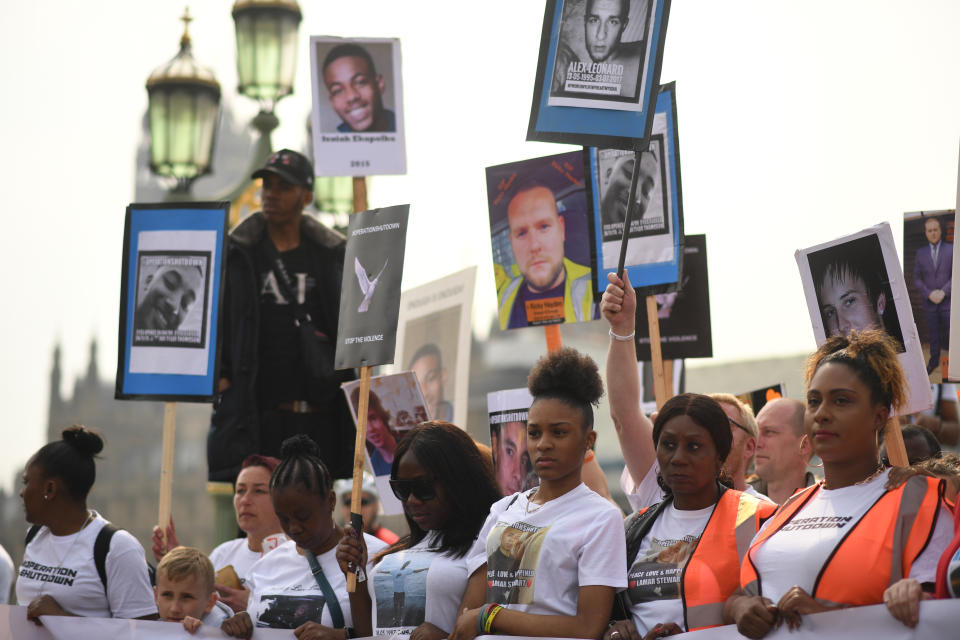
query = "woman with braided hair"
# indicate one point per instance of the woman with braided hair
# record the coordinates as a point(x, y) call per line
point(548, 560)
point(852, 539)
point(299, 584)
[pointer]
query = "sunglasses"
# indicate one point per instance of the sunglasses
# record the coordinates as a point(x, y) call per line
point(364, 500)
point(421, 489)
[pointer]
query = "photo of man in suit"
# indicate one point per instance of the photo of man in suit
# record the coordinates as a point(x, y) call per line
point(932, 271)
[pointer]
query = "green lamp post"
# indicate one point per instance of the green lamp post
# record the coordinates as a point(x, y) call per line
point(184, 104)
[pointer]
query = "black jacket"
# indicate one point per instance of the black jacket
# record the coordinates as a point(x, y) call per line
point(234, 428)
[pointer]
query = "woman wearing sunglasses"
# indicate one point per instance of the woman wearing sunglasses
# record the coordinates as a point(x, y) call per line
point(415, 586)
point(548, 560)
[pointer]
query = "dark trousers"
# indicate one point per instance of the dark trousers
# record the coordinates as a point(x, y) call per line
point(938, 328)
point(333, 440)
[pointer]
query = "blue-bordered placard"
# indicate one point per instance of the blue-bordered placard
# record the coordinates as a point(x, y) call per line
point(171, 289)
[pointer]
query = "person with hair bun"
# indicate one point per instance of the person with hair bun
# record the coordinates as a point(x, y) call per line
point(446, 487)
point(852, 539)
point(684, 553)
point(548, 560)
point(60, 575)
point(299, 584)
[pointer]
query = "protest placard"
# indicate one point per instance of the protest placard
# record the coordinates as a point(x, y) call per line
point(598, 72)
point(370, 297)
point(540, 235)
point(855, 283)
point(433, 341)
point(357, 116)
point(173, 257)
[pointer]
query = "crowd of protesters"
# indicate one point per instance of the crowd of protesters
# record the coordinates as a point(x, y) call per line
point(703, 547)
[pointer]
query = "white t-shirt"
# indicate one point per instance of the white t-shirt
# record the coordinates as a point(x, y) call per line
point(237, 553)
point(63, 568)
point(648, 493)
point(217, 615)
point(416, 585)
point(6, 575)
point(653, 582)
point(284, 593)
point(538, 556)
point(797, 552)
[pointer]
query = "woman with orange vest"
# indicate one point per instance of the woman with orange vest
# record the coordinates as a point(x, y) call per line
point(850, 540)
point(684, 553)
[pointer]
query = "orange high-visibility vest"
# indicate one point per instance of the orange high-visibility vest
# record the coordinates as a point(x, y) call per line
point(876, 552)
point(711, 574)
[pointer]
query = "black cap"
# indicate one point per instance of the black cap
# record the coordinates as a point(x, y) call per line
point(289, 165)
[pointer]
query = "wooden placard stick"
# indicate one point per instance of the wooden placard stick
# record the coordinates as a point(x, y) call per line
point(656, 355)
point(554, 338)
point(360, 445)
point(166, 467)
point(893, 439)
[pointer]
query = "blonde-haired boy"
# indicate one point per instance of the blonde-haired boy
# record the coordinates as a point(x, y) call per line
point(185, 590)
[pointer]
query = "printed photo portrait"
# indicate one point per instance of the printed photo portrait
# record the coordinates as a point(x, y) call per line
point(615, 168)
point(600, 53)
point(513, 553)
point(430, 352)
point(512, 466)
point(172, 298)
point(853, 289)
point(928, 270)
point(854, 283)
point(289, 612)
point(358, 86)
point(540, 233)
point(395, 405)
point(400, 583)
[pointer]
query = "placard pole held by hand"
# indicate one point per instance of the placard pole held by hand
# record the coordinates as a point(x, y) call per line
point(166, 467)
point(360, 445)
point(656, 355)
point(893, 439)
point(554, 338)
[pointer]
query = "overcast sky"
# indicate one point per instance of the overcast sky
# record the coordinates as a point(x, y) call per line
point(799, 121)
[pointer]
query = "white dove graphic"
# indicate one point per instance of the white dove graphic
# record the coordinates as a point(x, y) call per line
point(366, 284)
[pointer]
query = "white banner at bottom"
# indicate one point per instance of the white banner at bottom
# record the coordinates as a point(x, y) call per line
point(938, 619)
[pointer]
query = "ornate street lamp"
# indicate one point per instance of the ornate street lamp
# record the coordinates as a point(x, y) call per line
point(266, 49)
point(184, 103)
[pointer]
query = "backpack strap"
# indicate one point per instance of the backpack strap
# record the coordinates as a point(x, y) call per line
point(100, 549)
point(31, 534)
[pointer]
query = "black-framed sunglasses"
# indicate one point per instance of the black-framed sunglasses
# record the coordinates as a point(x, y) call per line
point(421, 489)
point(364, 500)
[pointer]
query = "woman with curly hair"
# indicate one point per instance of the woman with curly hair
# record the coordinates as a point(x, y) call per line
point(850, 540)
point(446, 487)
point(548, 560)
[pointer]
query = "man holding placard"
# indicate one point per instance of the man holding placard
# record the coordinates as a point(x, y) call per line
point(284, 274)
point(551, 288)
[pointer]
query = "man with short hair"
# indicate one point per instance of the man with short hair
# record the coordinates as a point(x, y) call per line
point(356, 90)
point(167, 296)
point(782, 450)
point(508, 444)
point(743, 427)
point(550, 288)
point(282, 266)
point(427, 365)
point(932, 276)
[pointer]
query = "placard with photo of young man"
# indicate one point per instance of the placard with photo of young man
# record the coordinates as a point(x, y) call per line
point(357, 115)
point(855, 283)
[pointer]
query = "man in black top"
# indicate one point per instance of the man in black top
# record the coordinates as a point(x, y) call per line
point(281, 266)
